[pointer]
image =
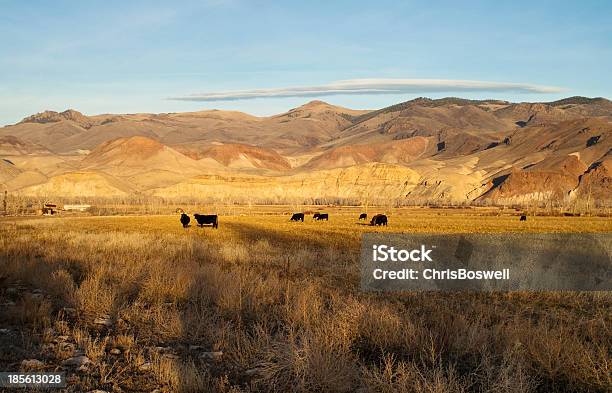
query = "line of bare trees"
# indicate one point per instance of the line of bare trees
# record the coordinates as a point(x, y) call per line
point(16, 204)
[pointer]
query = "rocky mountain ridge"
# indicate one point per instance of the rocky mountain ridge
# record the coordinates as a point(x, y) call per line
point(449, 150)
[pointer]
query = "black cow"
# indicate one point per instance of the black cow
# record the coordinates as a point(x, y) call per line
point(379, 219)
point(297, 217)
point(523, 218)
point(205, 219)
point(185, 220)
point(320, 216)
point(363, 216)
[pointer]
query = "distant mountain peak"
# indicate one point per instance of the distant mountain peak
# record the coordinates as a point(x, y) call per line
point(72, 114)
point(55, 117)
point(315, 103)
point(579, 100)
point(320, 108)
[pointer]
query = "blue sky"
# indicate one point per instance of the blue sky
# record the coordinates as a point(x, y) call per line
point(124, 57)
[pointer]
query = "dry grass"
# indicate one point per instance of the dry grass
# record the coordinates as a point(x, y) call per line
point(281, 300)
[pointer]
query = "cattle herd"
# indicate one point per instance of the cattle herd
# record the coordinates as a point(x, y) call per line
point(377, 220)
point(213, 219)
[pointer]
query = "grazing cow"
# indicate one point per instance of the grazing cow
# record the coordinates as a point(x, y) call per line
point(363, 216)
point(523, 218)
point(379, 219)
point(205, 219)
point(320, 216)
point(297, 217)
point(185, 220)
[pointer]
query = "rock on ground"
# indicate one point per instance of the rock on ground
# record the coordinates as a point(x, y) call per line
point(76, 361)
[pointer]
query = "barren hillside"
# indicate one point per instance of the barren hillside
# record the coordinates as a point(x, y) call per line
point(448, 150)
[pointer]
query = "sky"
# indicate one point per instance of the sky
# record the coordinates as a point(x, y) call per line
point(265, 57)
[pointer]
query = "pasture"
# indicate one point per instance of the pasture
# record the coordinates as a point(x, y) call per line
point(264, 304)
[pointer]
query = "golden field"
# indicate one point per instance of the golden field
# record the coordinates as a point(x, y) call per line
point(263, 304)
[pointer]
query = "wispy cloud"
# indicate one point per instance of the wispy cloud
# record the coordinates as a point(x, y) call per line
point(374, 86)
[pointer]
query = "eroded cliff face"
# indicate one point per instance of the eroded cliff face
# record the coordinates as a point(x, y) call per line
point(372, 182)
point(550, 180)
point(376, 183)
point(78, 184)
point(596, 183)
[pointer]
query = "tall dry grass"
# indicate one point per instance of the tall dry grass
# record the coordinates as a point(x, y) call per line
point(281, 302)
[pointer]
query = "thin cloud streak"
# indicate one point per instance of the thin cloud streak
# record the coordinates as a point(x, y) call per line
point(374, 86)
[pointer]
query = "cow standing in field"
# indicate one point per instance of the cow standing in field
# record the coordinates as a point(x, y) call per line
point(207, 219)
point(297, 217)
point(379, 219)
point(185, 220)
point(320, 216)
point(523, 218)
point(363, 216)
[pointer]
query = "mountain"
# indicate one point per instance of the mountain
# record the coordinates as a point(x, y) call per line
point(142, 162)
point(449, 150)
point(235, 155)
point(55, 117)
point(135, 153)
point(394, 152)
point(70, 131)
